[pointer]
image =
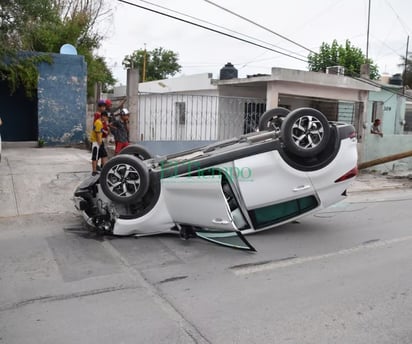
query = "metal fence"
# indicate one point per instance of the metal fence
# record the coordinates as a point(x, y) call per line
point(184, 117)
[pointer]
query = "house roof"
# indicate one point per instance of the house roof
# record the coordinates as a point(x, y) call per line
point(282, 75)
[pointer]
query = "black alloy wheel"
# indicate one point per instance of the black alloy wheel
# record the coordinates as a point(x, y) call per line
point(305, 132)
point(124, 179)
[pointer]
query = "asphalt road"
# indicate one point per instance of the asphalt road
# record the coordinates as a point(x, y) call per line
point(341, 276)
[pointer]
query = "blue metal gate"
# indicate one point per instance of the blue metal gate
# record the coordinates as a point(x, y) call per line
point(19, 115)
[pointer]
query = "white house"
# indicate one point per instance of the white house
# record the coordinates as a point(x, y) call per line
point(198, 108)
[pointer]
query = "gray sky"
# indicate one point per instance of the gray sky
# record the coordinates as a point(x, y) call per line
point(309, 23)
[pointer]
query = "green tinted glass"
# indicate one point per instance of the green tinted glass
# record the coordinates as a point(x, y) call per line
point(275, 213)
point(230, 238)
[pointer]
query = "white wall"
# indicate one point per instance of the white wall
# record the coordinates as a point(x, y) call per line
point(190, 83)
point(159, 117)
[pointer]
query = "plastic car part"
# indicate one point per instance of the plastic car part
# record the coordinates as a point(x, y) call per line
point(305, 132)
point(124, 179)
point(272, 119)
point(138, 151)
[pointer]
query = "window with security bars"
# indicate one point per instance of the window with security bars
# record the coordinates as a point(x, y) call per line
point(408, 122)
point(181, 112)
point(252, 113)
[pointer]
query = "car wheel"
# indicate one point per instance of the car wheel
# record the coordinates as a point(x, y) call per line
point(305, 132)
point(138, 151)
point(124, 179)
point(272, 119)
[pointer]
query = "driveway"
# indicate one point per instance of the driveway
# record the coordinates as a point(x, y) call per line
point(40, 180)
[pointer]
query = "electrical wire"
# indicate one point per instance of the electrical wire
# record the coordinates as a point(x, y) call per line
point(210, 29)
point(356, 77)
point(405, 27)
point(260, 26)
point(219, 26)
point(383, 87)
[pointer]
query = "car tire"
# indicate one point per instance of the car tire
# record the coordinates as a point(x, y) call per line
point(124, 179)
point(305, 132)
point(272, 119)
point(138, 151)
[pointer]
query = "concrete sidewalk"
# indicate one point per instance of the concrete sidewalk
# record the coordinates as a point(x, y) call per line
point(42, 180)
point(367, 182)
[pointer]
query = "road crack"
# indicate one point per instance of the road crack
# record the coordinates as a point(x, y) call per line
point(62, 297)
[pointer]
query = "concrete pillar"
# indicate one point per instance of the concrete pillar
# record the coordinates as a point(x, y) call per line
point(132, 90)
point(272, 96)
point(365, 71)
point(362, 125)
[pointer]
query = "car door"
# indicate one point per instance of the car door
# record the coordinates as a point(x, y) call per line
point(266, 179)
point(199, 201)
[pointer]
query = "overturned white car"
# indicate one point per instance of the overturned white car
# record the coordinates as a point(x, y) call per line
point(297, 164)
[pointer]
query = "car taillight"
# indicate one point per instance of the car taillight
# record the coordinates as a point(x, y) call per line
point(352, 135)
point(350, 174)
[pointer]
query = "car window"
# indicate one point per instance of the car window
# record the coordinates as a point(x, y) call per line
point(269, 215)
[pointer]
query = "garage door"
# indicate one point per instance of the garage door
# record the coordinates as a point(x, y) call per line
point(19, 115)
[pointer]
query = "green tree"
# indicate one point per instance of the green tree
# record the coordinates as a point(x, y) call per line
point(160, 63)
point(407, 72)
point(16, 18)
point(346, 55)
point(44, 26)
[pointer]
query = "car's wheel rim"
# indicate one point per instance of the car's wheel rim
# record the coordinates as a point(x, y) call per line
point(307, 132)
point(123, 180)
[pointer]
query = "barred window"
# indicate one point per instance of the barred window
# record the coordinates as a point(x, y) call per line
point(181, 112)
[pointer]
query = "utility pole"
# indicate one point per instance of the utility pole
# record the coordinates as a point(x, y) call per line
point(367, 35)
point(406, 63)
point(144, 64)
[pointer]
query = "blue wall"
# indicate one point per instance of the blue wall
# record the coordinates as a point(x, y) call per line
point(62, 96)
point(393, 140)
point(393, 109)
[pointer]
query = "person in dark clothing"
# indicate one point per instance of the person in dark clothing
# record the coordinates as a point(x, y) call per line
point(114, 114)
point(120, 130)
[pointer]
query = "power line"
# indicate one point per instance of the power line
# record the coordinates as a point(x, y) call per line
point(404, 26)
point(258, 25)
point(366, 81)
point(383, 87)
point(220, 27)
point(387, 46)
point(370, 82)
point(213, 30)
